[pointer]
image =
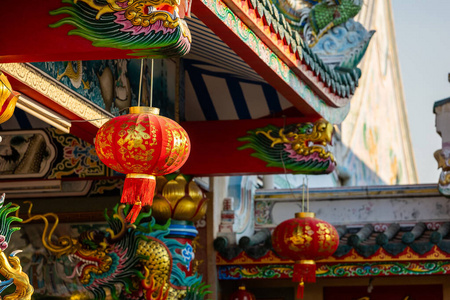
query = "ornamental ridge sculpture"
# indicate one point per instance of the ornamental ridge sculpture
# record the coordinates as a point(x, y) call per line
point(303, 148)
point(330, 33)
point(146, 28)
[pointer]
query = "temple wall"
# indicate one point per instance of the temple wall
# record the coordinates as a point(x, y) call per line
point(375, 134)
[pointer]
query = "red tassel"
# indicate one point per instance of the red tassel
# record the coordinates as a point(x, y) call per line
point(304, 270)
point(138, 190)
point(300, 290)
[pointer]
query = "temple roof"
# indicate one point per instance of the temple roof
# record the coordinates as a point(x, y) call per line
point(420, 241)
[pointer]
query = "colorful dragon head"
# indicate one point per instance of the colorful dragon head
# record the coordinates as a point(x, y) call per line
point(10, 268)
point(148, 28)
point(302, 148)
point(137, 257)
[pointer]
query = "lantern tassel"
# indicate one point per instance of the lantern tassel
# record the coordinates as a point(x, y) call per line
point(300, 290)
point(304, 270)
point(138, 190)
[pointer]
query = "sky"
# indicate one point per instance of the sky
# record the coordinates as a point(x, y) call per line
point(422, 31)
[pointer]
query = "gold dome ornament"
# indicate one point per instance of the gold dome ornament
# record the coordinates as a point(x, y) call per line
point(178, 199)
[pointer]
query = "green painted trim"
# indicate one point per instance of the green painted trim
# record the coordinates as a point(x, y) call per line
point(236, 272)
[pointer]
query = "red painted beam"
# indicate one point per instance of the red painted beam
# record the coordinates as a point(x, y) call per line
point(214, 147)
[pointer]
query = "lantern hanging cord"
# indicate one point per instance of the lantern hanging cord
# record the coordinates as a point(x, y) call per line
point(282, 161)
point(140, 82)
point(303, 195)
point(151, 83)
point(307, 193)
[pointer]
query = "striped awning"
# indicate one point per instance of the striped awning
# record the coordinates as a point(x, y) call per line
point(220, 85)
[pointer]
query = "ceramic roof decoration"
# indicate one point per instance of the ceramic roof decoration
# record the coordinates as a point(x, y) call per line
point(442, 156)
point(324, 35)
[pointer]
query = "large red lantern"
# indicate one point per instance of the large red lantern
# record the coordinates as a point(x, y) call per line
point(242, 294)
point(142, 145)
point(305, 239)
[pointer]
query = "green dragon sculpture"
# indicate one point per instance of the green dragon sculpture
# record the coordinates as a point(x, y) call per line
point(314, 18)
point(138, 258)
point(302, 148)
point(14, 283)
point(146, 28)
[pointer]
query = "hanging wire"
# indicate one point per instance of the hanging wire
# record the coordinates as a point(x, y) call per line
point(282, 161)
point(307, 193)
point(151, 84)
point(287, 180)
point(140, 82)
point(303, 195)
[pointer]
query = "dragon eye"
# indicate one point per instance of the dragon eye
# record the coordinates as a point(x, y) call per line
point(309, 130)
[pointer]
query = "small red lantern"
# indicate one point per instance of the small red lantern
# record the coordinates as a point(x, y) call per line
point(305, 239)
point(142, 145)
point(242, 294)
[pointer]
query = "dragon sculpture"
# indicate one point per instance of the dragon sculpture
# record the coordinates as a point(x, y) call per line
point(148, 28)
point(314, 18)
point(138, 258)
point(10, 268)
point(328, 28)
point(302, 148)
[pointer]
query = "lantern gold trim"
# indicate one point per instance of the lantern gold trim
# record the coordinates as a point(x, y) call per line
point(144, 109)
point(306, 262)
point(302, 215)
point(143, 176)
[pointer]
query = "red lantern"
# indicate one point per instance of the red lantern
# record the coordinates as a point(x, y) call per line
point(142, 145)
point(242, 294)
point(305, 239)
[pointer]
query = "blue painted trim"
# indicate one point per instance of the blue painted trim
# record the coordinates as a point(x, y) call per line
point(194, 64)
point(203, 97)
point(272, 98)
point(237, 95)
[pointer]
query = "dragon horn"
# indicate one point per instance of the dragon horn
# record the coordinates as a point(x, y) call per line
point(65, 243)
point(114, 238)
